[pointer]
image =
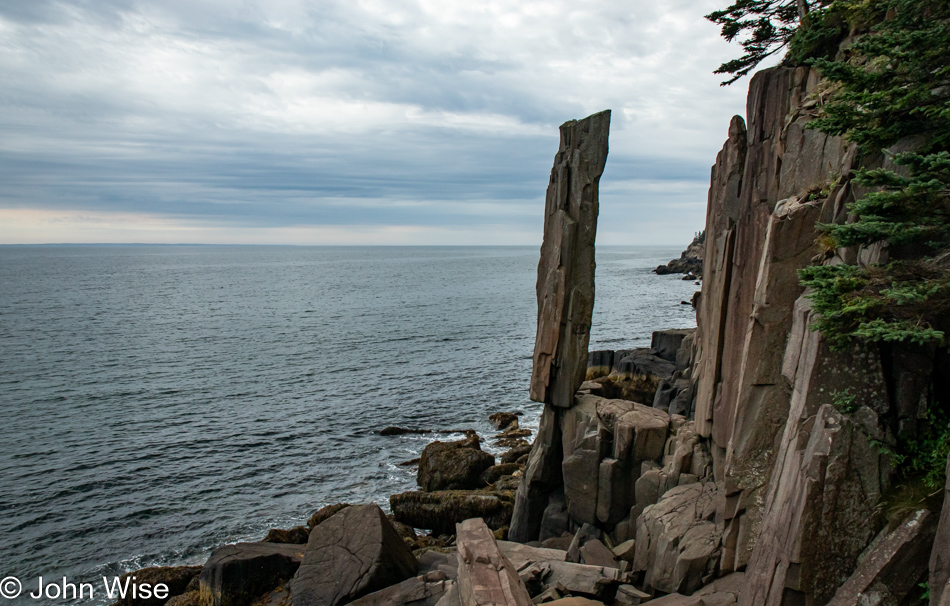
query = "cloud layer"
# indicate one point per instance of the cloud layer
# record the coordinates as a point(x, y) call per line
point(357, 121)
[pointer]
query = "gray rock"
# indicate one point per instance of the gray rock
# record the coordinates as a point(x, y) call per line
point(493, 473)
point(595, 553)
point(235, 575)
point(892, 566)
point(565, 286)
point(585, 533)
point(666, 343)
point(523, 555)
point(352, 554)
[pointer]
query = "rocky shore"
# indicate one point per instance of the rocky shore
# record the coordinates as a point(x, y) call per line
point(744, 462)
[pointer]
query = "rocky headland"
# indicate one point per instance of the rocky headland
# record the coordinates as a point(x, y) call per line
point(742, 462)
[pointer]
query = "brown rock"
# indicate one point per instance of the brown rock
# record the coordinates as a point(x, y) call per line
point(493, 473)
point(522, 555)
point(565, 285)
point(189, 598)
point(237, 574)
point(175, 578)
point(504, 420)
point(576, 601)
point(453, 465)
point(515, 453)
point(486, 577)
point(417, 591)
point(297, 535)
point(324, 513)
point(440, 511)
point(354, 553)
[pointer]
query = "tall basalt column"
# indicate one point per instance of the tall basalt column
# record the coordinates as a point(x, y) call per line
point(565, 304)
point(566, 270)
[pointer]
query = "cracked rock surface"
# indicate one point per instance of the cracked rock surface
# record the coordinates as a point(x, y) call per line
point(355, 552)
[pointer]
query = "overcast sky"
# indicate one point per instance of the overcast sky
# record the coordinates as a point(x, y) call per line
point(350, 121)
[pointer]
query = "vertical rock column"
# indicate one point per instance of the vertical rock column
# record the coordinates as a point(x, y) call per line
point(565, 291)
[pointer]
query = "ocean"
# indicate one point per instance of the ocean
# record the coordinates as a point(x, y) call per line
point(159, 401)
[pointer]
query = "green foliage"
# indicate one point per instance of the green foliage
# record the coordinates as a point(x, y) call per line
point(844, 401)
point(927, 455)
point(894, 86)
point(763, 28)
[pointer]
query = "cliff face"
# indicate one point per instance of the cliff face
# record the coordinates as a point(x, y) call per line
point(778, 472)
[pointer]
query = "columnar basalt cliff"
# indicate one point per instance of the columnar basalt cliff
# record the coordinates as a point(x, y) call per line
point(760, 470)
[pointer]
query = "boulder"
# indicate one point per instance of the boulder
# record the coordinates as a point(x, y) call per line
point(515, 453)
point(297, 535)
point(493, 473)
point(678, 544)
point(646, 363)
point(625, 550)
point(595, 553)
point(892, 566)
point(940, 556)
point(599, 363)
point(504, 420)
point(440, 511)
point(175, 578)
point(235, 575)
point(453, 465)
point(189, 598)
point(486, 576)
point(565, 285)
point(325, 513)
point(587, 532)
point(576, 601)
point(354, 553)
point(666, 343)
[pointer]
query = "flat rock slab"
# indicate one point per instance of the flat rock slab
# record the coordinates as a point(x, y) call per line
point(575, 601)
point(417, 591)
point(486, 576)
point(353, 553)
point(595, 553)
point(521, 555)
point(580, 578)
point(235, 575)
point(892, 564)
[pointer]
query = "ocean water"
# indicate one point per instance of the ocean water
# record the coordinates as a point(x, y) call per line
point(158, 401)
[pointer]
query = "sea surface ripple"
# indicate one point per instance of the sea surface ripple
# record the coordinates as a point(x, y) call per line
point(158, 401)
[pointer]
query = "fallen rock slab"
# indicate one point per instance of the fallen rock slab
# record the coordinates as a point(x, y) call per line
point(892, 566)
point(572, 578)
point(417, 591)
point(522, 555)
point(486, 576)
point(354, 553)
point(595, 553)
point(440, 511)
point(237, 574)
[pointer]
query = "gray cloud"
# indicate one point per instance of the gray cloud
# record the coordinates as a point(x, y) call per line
point(289, 113)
